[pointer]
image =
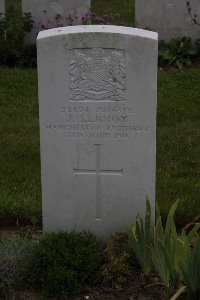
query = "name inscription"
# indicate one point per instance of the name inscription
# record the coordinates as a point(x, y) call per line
point(100, 122)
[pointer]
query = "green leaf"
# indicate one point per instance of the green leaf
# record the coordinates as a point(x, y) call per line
point(140, 236)
point(170, 219)
point(160, 262)
point(181, 290)
point(190, 265)
point(192, 232)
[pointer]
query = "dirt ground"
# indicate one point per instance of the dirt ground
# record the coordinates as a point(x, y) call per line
point(130, 293)
point(138, 287)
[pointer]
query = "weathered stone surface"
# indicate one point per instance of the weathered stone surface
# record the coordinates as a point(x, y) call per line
point(2, 7)
point(53, 13)
point(169, 18)
point(97, 94)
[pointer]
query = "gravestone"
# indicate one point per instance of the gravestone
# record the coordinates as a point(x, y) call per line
point(169, 18)
point(53, 13)
point(97, 95)
point(2, 7)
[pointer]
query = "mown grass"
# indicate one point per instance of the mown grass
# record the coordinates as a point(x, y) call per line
point(178, 143)
point(19, 143)
point(178, 134)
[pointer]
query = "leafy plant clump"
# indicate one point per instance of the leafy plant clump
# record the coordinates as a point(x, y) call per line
point(63, 262)
point(175, 257)
point(107, 18)
point(189, 264)
point(90, 17)
point(14, 254)
point(179, 52)
point(140, 235)
point(13, 29)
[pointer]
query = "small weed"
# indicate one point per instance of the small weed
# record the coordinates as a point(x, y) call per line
point(116, 266)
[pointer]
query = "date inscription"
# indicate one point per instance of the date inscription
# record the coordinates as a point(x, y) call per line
point(99, 122)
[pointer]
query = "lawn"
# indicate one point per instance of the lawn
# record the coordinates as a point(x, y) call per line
point(19, 138)
point(178, 147)
point(178, 135)
point(178, 142)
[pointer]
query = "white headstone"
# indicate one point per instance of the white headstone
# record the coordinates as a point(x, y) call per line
point(169, 18)
point(97, 94)
point(2, 7)
point(54, 13)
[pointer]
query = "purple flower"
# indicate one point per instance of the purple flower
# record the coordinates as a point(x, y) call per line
point(99, 19)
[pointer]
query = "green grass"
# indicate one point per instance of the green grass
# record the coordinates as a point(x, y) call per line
point(19, 143)
point(178, 143)
point(124, 7)
point(178, 134)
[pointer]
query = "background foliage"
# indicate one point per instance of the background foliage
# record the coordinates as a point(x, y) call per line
point(13, 28)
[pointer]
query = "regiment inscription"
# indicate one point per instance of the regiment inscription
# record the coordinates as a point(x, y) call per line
point(99, 122)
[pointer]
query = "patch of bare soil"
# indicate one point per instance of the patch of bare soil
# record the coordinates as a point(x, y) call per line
point(138, 288)
point(129, 294)
point(13, 223)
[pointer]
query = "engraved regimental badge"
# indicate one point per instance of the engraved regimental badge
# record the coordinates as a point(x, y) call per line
point(97, 76)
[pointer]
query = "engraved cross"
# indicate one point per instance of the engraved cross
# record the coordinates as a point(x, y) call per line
point(98, 172)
